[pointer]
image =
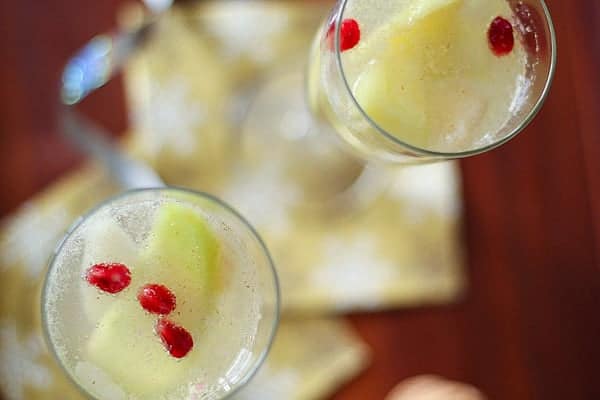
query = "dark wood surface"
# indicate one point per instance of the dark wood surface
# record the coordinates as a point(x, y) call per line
point(529, 326)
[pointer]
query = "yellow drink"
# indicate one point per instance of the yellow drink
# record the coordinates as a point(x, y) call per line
point(112, 346)
point(426, 75)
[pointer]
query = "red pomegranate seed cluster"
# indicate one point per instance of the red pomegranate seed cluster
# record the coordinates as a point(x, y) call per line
point(154, 298)
point(109, 277)
point(500, 36)
point(349, 34)
point(176, 339)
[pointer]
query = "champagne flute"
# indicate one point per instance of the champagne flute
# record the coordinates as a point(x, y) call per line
point(160, 293)
point(391, 83)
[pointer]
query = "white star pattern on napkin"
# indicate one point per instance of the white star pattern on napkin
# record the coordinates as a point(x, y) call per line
point(353, 266)
point(19, 365)
point(264, 196)
point(44, 229)
point(240, 34)
point(270, 384)
point(169, 119)
point(429, 187)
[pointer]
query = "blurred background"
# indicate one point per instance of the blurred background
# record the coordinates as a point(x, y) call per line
point(527, 324)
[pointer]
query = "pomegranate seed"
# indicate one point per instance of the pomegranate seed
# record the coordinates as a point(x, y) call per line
point(349, 34)
point(157, 299)
point(176, 339)
point(501, 36)
point(109, 277)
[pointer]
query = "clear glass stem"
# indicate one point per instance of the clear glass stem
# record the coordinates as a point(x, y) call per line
point(281, 132)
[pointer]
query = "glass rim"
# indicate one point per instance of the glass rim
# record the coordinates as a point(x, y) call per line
point(458, 154)
point(81, 219)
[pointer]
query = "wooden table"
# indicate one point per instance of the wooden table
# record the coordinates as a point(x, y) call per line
point(529, 327)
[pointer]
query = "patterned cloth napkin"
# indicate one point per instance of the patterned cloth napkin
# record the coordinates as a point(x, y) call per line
point(188, 90)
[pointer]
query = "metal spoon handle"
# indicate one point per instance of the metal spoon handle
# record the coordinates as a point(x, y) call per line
point(86, 71)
